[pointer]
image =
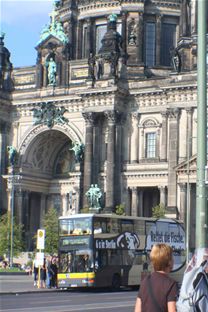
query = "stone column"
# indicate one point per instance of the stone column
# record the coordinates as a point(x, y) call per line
point(110, 169)
point(140, 195)
point(143, 143)
point(158, 37)
point(64, 204)
point(3, 158)
point(124, 30)
point(89, 37)
point(189, 133)
point(184, 19)
point(163, 153)
point(173, 158)
point(134, 139)
point(134, 202)
point(89, 120)
point(128, 202)
point(96, 150)
point(194, 17)
point(19, 206)
point(121, 118)
point(140, 39)
point(80, 39)
point(26, 218)
point(42, 208)
point(162, 195)
point(183, 191)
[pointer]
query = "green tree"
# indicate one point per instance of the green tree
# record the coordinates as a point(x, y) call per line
point(158, 211)
point(50, 224)
point(5, 235)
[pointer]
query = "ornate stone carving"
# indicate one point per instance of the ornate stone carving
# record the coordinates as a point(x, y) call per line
point(132, 32)
point(35, 131)
point(173, 113)
point(89, 118)
point(48, 114)
point(111, 116)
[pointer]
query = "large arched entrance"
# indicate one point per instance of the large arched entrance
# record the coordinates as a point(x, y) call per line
point(49, 177)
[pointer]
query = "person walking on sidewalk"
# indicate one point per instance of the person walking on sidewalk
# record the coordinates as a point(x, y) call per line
point(35, 271)
point(158, 292)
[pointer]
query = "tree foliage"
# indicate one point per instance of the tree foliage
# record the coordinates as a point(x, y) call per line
point(158, 211)
point(120, 210)
point(50, 224)
point(5, 235)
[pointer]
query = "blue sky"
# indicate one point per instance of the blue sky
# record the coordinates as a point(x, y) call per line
point(22, 22)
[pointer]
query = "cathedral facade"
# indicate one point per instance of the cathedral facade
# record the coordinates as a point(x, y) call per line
point(112, 102)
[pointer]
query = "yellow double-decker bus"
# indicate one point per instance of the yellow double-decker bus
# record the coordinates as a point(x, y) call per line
point(103, 250)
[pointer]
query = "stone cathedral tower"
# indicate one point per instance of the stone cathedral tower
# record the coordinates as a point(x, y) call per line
point(117, 77)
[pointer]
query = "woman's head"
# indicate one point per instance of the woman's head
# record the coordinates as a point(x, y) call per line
point(161, 257)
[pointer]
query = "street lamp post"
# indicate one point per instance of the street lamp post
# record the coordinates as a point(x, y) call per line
point(12, 155)
point(188, 204)
point(201, 198)
point(12, 220)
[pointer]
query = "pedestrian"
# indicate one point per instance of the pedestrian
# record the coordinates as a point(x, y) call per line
point(194, 289)
point(43, 274)
point(35, 272)
point(48, 274)
point(53, 268)
point(158, 292)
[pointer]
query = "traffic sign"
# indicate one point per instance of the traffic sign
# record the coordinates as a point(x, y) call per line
point(40, 239)
point(39, 258)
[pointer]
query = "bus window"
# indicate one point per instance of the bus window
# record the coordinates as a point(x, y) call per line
point(72, 226)
point(65, 262)
point(114, 225)
point(100, 226)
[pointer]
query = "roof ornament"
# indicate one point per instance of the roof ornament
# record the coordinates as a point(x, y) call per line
point(54, 28)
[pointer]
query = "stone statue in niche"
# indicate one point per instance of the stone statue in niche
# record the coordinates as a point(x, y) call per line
point(91, 66)
point(51, 65)
point(132, 33)
point(175, 59)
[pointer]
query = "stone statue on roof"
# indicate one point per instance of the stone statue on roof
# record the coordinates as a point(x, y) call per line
point(112, 17)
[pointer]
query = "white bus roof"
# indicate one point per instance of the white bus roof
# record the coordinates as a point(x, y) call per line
point(84, 215)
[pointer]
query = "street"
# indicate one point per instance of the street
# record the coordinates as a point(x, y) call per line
point(69, 301)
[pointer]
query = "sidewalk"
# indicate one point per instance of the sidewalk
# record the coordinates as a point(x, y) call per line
point(16, 284)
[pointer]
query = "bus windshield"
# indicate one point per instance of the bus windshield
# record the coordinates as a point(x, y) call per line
point(76, 261)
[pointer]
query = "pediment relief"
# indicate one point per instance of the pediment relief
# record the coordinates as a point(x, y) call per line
point(51, 42)
point(149, 123)
point(187, 165)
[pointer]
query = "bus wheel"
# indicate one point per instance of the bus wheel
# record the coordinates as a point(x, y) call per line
point(116, 282)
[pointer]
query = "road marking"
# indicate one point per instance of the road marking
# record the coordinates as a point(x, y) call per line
point(92, 306)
